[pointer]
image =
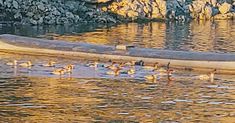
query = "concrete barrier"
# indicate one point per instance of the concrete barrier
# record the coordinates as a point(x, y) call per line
point(223, 62)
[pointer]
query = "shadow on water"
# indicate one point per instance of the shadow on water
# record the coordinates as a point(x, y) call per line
point(214, 36)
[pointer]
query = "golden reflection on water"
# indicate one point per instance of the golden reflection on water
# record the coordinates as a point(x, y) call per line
point(215, 36)
point(34, 99)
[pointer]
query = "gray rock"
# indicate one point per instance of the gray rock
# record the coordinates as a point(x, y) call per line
point(18, 16)
point(1, 2)
point(32, 21)
point(56, 12)
point(40, 21)
point(29, 14)
point(15, 4)
point(69, 15)
point(41, 7)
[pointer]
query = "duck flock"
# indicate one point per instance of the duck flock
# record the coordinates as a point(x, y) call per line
point(115, 69)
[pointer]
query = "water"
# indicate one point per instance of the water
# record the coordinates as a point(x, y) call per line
point(90, 95)
point(206, 36)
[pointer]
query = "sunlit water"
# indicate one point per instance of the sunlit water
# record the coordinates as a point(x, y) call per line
point(215, 36)
point(89, 95)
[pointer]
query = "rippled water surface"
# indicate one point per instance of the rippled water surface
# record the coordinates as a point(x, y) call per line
point(215, 36)
point(88, 95)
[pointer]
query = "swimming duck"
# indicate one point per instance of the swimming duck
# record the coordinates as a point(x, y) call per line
point(112, 66)
point(130, 71)
point(166, 72)
point(162, 70)
point(209, 76)
point(151, 77)
point(114, 72)
point(95, 64)
point(69, 68)
point(49, 64)
point(14, 63)
point(154, 67)
point(26, 64)
point(58, 72)
point(131, 63)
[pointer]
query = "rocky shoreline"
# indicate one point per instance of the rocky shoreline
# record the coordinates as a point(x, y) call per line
point(59, 12)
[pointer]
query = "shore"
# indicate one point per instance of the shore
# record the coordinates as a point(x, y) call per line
point(60, 12)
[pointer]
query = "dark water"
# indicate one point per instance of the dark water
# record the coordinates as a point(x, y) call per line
point(34, 95)
point(215, 36)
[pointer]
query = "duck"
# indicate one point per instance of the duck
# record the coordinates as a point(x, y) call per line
point(162, 70)
point(58, 72)
point(151, 77)
point(122, 64)
point(154, 67)
point(114, 72)
point(131, 63)
point(166, 72)
point(209, 76)
point(26, 64)
point(129, 72)
point(112, 66)
point(49, 64)
point(139, 63)
point(69, 68)
point(14, 63)
point(95, 64)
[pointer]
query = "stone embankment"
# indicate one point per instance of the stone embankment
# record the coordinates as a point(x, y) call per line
point(37, 12)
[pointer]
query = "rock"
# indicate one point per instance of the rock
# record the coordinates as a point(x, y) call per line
point(225, 8)
point(1, 2)
point(96, 1)
point(29, 14)
point(32, 21)
point(18, 16)
point(208, 12)
point(69, 15)
point(56, 12)
point(213, 3)
point(15, 4)
point(40, 21)
point(223, 16)
point(41, 7)
point(7, 3)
